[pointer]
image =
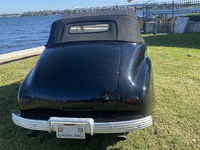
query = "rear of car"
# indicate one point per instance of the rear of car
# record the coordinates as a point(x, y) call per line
point(93, 77)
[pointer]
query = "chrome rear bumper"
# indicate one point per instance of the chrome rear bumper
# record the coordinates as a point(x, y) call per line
point(90, 126)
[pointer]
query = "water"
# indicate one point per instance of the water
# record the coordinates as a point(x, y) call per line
point(19, 33)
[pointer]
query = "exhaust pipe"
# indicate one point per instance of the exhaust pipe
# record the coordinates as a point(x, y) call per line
point(120, 136)
point(32, 133)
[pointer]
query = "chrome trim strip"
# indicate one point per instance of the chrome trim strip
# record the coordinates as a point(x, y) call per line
point(90, 126)
point(30, 123)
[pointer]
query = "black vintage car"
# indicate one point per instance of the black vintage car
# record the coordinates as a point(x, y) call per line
point(93, 77)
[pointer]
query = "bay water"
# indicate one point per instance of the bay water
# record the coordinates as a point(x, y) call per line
point(19, 33)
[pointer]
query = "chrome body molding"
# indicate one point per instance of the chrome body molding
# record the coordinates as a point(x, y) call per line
point(90, 126)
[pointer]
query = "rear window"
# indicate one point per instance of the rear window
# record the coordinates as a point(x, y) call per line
point(89, 28)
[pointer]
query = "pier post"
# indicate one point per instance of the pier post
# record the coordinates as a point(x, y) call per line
point(172, 8)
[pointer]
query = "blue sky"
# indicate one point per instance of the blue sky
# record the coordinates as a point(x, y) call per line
point(20, 6)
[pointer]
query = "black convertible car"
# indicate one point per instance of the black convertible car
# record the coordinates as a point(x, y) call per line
point(93, 77)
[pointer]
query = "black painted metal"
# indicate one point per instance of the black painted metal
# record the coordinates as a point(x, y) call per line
point(89, 78)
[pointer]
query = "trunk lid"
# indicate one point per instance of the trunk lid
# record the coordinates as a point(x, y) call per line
point(79, 77)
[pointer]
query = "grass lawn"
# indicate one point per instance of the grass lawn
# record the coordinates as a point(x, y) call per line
point(176, 66)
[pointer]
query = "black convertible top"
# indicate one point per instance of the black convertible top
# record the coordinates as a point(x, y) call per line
point(122, 26)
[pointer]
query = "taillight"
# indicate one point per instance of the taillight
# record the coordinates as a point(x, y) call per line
point(132, 100)
point(26, 100)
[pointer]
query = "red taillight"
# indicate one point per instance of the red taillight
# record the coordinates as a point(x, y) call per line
point(132, 100)
point(25, 101)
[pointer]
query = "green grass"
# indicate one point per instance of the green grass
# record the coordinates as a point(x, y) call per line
point(176, 66)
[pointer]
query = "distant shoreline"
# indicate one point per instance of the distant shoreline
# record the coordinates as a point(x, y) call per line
point(20, 15)
point(72, 11)
point(26, 16)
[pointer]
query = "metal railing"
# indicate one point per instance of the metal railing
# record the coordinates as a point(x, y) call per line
point(149, 8)
point(172, 8)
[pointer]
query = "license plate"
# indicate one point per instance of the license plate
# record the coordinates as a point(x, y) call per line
point(73, 131)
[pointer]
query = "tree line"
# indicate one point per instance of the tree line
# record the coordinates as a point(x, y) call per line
point(40, 13)
point(48, 12)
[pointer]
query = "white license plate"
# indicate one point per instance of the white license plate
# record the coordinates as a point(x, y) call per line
point(73, 131)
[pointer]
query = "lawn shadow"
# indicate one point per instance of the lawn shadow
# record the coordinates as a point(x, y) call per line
point(97, 141)
point(185, 40)
point(14, 137)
